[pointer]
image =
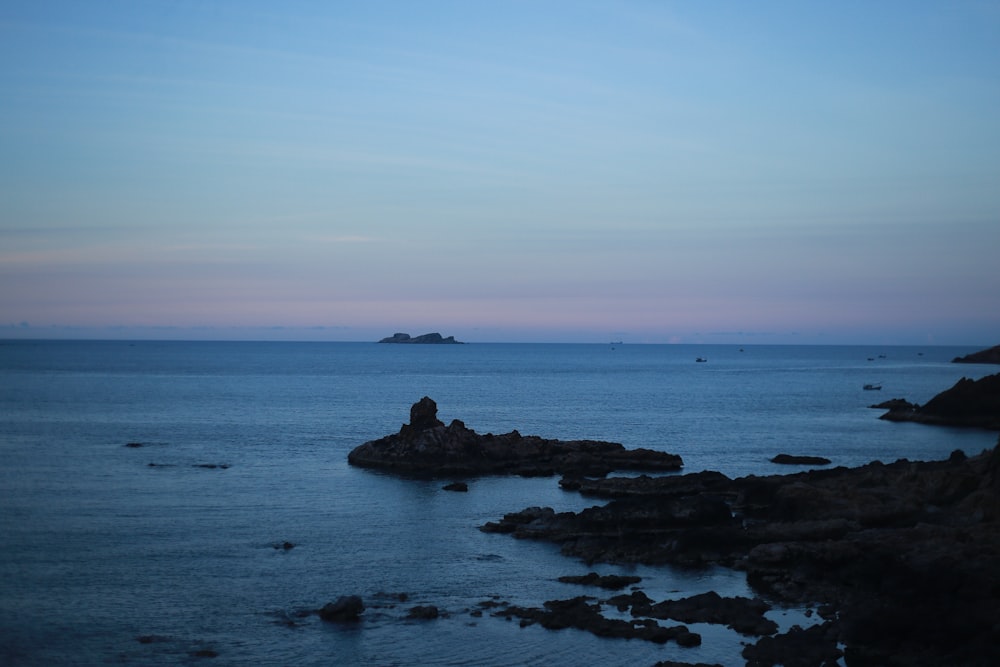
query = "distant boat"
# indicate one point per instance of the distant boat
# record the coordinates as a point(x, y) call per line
point(701, 360)
point(872, 387)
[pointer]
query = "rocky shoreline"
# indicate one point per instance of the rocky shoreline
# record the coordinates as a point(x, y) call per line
point(901, 560)
point(908, 554)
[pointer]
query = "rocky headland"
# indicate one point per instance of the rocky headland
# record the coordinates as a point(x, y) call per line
point(425, 339)
point(426, 447)
point(974, 403)
point(988, 356)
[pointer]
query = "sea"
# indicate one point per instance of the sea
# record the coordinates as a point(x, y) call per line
point(172, 551)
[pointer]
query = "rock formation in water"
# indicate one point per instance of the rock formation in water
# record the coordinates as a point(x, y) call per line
point(344, 609)
point(426, 339)
point(427, 447)
point(973, 403)
point(989, 356)
point(905, 556)
point(794, 459)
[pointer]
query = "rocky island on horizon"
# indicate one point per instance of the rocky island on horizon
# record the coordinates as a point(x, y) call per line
point(426, 339)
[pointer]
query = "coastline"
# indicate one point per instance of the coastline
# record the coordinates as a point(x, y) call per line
point(901, 561)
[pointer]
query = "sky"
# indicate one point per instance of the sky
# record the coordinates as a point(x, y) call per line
point(506, 171)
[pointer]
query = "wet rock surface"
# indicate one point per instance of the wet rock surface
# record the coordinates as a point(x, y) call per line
point(427, 447)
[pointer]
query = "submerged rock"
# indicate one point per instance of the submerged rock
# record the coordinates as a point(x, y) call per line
point(423, 612)
point(426, 446)
point(346, 608)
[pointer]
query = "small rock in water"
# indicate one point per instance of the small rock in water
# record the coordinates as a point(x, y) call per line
point(456, 486)
point(345, 608)
point(424, 612)
point(790, 459)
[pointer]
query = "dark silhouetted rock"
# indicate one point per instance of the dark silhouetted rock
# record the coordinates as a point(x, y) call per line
point(903, 559)
point(988, 356)
point(345, 609)
point(580, 613)
point(423, 612)
point(426, 339)
point(133, 445)
point(609, 581)
point(426, 447)
point(461, 487)
point(812, 647)
point(745, 615)
point(895, 404)
point(789, 459)
point(423, 415)
point(974, 403)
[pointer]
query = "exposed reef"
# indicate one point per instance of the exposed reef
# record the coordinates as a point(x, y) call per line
point(974, 403)
point(426, 339)
point(988, 356)
point(426, 447)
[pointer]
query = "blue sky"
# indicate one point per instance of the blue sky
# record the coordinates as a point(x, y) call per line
point(502, 171)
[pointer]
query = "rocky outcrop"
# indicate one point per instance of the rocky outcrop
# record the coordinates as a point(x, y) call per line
point(427, 447)
point(974, 403)
point(895, 404)
point(609, 581)
point(906, 556)
point(792, 459)
point(423, 612)
point(745, 615)
point(426, 339)
point(584, 613)
point(989, 356)
point(345, 609)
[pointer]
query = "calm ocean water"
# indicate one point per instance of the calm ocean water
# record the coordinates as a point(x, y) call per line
point(249, 442)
